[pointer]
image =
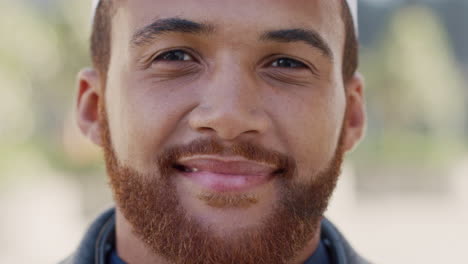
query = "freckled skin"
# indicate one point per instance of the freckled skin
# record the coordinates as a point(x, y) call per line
point(229, 88)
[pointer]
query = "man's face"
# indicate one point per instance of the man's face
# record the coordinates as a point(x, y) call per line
point(228, 120)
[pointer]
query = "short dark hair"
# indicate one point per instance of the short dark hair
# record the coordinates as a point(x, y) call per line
point(102, 26)
point(101, 36)
point(351, 44)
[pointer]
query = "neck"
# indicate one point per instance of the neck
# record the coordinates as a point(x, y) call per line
point(132, 250)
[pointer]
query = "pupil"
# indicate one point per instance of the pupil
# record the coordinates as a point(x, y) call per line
point(288, 63)
point(285, 63)
point(175, 55)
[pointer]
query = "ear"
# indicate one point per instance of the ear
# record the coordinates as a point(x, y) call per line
point(87, 105)
point(355, 119)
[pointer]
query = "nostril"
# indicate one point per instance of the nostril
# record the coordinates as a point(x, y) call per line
point(208, 130)
point(228, 124)
point(251, 131)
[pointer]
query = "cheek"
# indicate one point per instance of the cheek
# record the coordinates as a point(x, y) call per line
point(310, 125)
point(142, 117)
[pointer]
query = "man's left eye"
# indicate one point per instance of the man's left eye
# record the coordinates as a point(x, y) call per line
point(288, 63)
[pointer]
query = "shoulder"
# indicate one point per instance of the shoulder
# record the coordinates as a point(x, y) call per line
point(94, 245)
point(341, 250)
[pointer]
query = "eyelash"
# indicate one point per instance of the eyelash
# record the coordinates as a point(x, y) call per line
point(164, 57)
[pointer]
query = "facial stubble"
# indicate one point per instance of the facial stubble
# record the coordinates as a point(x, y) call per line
point(150, 204)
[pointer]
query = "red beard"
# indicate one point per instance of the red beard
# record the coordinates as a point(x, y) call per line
point(150, 204)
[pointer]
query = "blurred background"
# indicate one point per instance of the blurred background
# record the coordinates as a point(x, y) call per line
point(403, 196)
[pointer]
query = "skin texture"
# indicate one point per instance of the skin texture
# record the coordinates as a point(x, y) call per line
point(229, 92)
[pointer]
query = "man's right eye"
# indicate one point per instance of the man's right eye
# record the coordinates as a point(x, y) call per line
point(174, 55)
point(288, 63)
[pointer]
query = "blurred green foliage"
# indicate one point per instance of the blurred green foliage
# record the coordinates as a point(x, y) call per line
point(43, 46)
point(415, 92)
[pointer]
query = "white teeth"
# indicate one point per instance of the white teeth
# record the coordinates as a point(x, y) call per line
point(194, 170)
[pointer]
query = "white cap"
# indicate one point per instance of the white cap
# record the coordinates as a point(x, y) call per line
point(352, 5)
point(94, 6)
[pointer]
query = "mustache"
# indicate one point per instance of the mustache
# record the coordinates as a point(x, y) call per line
point(210, 146)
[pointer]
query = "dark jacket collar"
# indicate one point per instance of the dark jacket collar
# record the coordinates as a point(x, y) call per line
point(99, 240)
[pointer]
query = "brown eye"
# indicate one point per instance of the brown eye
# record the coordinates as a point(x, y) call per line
point(288, 63)
point(174, 55)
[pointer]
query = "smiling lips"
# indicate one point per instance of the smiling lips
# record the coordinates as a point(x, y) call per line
point(223, 174)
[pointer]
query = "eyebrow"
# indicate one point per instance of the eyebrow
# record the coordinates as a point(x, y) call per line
point(148, 33)
point(308, 36)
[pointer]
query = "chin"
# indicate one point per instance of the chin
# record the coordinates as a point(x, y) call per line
point(228, 212)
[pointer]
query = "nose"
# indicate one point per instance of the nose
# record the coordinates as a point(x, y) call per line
point(230, 106)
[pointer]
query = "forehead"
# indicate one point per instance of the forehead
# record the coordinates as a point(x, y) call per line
point(231, 8)
point(238, 16)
